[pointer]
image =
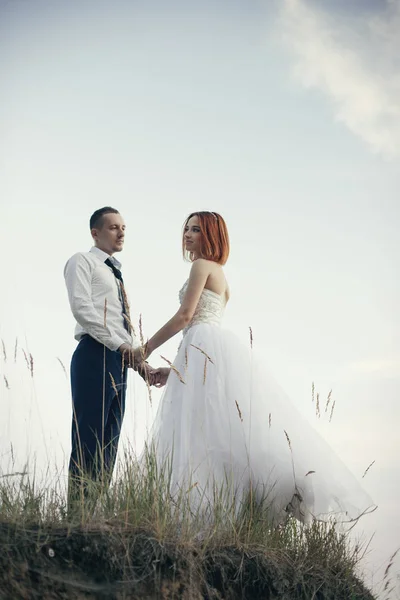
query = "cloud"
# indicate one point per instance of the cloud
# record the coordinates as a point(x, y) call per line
point(354, 61)
point(384, 367)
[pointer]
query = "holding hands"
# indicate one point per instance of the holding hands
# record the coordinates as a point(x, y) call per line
point(142, 353)
point(160, 376)
point(135, 358)
point(157, 377)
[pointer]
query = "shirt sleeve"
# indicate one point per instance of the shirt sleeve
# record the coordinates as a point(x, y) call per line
point(78, 279)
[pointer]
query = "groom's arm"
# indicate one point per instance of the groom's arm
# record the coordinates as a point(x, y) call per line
point(78, 279)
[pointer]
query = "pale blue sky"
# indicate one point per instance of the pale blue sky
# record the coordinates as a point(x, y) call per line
point(284, 117)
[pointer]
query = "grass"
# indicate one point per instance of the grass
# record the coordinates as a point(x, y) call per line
point(133, 541)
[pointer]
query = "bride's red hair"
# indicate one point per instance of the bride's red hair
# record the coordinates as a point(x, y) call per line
point(214, 242)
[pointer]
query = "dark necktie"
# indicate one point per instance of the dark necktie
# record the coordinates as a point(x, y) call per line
point(123, 297)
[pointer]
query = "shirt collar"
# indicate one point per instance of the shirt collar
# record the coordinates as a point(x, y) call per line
point(101, 255)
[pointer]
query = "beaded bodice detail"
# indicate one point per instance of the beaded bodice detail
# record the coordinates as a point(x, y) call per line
point(209, 309)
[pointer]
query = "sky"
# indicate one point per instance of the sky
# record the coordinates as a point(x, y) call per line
point(282, 116)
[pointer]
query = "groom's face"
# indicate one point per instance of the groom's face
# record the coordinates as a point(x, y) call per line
point(110, 236)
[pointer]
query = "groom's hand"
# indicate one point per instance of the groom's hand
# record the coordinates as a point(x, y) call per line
point(146, 371)
point(128, 354)
point(139, 356)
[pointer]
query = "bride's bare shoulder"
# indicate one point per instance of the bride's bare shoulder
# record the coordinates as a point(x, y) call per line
point(216, 281)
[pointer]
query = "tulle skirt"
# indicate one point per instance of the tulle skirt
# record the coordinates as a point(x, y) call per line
point(223, 424)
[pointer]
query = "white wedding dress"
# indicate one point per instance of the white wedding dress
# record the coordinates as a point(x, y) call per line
point(222, 423)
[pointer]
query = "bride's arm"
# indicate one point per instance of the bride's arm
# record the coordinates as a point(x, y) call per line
point(197, 280)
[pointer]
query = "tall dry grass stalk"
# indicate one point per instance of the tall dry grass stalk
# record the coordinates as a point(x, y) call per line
point(332, 409)
point(113, 384)
point(239, 411)
point(26, 359)
point(315, 398)
point(203, 352)
point(62, 366)
point(127, 313)
point(368, 468)
point(173, 368)
point(386, 578)
point(328, 401)
point(143, 351)
point(105, 313)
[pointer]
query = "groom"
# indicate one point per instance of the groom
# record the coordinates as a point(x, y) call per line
point(99, 364)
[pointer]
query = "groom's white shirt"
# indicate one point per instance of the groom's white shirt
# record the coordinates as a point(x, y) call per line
point(94, 299)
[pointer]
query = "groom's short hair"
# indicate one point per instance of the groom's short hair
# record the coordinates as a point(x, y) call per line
point(96, 220)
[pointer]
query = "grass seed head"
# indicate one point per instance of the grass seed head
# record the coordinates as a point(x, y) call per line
point(332, 409)
point(202, 351)
point(288, 440)
point(105, 312)
point(328, 401)
point(26, 357)
point(114, 387)
point(173, 368)
point(62, 365)
point(317, 409)
point(367, 469)
point(239, 411)
point(141, 336)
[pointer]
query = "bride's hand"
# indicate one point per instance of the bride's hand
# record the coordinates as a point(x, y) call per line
point(160, 376)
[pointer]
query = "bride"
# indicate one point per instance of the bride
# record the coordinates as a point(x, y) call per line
point(221, 422)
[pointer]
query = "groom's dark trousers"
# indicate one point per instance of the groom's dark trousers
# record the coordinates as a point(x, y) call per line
point(98, 382)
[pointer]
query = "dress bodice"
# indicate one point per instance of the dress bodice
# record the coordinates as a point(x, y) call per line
point(209, 309)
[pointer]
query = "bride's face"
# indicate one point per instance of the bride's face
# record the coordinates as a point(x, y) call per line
point(192, 236)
